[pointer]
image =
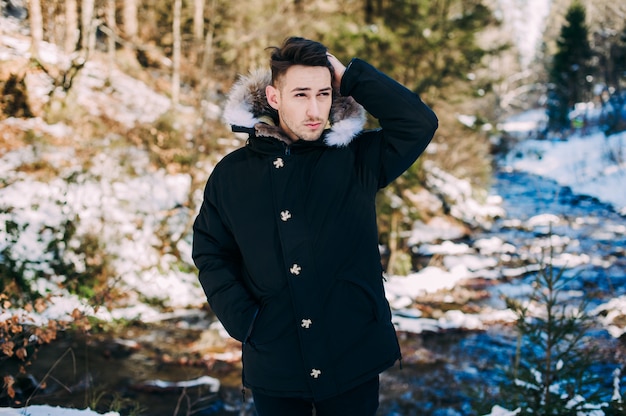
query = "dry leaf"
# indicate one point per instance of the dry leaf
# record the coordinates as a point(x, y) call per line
point(21, 353)
point(9, 381)
point(7, 348)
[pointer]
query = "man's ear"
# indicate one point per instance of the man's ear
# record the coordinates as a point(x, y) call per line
point(272, 95)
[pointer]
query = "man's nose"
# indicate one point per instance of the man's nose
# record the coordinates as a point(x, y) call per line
point(313, 109)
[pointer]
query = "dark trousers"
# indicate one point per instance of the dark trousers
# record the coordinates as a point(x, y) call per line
point(361, 400)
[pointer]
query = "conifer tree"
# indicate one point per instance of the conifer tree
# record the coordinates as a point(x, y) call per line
point(552, 373)
point(619, 56)
point(570, 67)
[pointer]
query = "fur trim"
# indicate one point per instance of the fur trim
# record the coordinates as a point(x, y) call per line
point(342, 132)
point(246, 102)
point(247, 107)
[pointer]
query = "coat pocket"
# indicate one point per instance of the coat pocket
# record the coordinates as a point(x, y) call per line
point(351, 308)
point(276, 365)
point(274, 321)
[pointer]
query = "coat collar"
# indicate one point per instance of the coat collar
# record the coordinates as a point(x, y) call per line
point(247, 110)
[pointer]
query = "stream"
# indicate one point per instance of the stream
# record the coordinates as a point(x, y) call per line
point(459, 373)
point(456, 372)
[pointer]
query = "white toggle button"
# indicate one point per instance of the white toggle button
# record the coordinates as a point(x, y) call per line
point(295, 269)
point(279, 163)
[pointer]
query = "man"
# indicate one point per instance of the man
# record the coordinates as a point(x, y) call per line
point(286, 239)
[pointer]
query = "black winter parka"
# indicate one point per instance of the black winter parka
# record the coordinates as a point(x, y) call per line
point(286, 240)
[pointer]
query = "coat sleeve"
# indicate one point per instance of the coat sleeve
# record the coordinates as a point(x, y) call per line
point(407, 124)
point(217, 257)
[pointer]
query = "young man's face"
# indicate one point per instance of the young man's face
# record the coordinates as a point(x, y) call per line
point(302, 96)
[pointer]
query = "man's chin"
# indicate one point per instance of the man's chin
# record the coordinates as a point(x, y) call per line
point(310, 137)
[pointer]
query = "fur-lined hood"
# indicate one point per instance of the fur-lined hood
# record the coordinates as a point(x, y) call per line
point(247, 109)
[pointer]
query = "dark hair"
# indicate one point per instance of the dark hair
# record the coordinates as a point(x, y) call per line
point(297, 51)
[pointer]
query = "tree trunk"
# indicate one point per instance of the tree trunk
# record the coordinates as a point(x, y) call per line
point(207, 57)
point(110, 22)
point(131, 24)
point(176, 53)
point(71, 26)
point(198, 21)
point(86, 23)
point(198, 33)
point(369, 11)
point(36, 27)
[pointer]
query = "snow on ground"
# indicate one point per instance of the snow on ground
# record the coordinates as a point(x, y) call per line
point(591, 164)
point(212, 383)
point(102, 92)
point(126, 213)
point(51, 411)
point(120, 198)
point(611, 312)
